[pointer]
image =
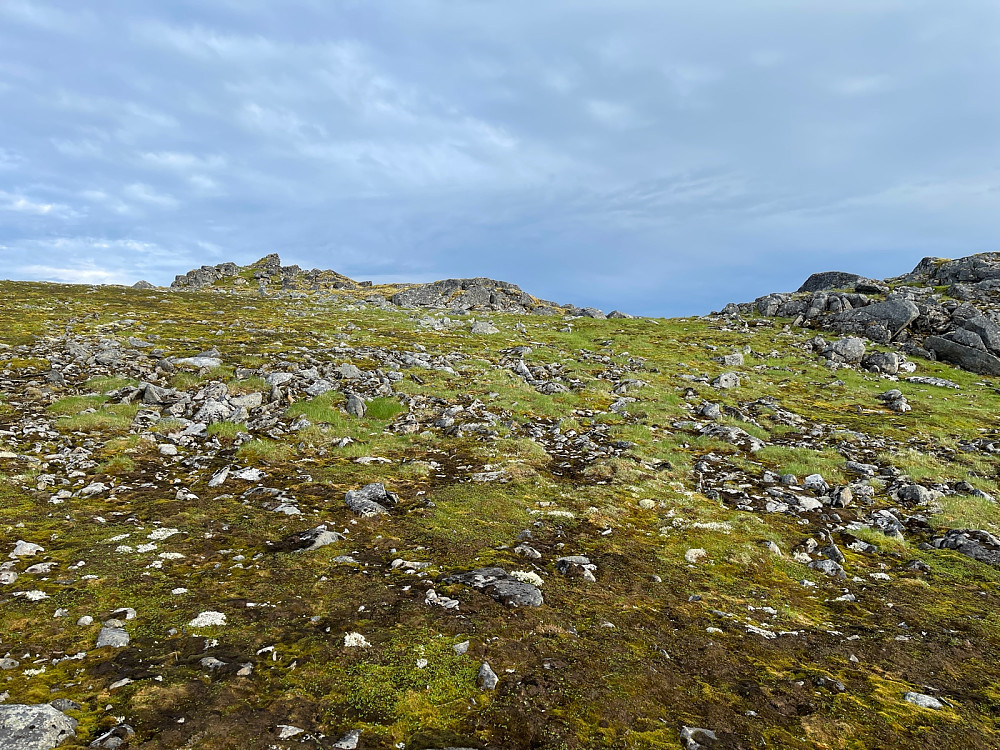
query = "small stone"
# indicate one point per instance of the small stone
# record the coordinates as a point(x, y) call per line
point(287, 731)
point(924, 701)
point(349, 741)
point(112, 636)
point(487, 679)
point(208, 619)
point(696, 738)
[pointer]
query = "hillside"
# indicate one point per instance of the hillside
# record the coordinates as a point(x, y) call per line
point(275, 508)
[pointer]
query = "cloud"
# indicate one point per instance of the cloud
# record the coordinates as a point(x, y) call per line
point(41, 15)
point(613, 114)
point(73, 274)
point(862, 85)
point(180, 161)
point(10, 159)
point(137, 191)
point(20, 204)
point(677, 155)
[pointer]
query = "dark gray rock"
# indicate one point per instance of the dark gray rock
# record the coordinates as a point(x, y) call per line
point(886, 363)
point(501, 586)
point(966, 357)
point(39, 727)
point(975, 543)
point(820, 282)
point(829, 568)
point(355, 405)
point(370, 500)
point(881, 322)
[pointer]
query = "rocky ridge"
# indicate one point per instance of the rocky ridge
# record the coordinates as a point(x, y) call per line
point(268, 276)
point(943, 309)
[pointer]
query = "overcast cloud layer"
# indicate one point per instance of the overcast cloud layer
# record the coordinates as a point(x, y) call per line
point(654, 156)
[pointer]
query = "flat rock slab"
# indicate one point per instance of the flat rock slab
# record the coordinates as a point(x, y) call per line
point(501, 586)
point(34, 727)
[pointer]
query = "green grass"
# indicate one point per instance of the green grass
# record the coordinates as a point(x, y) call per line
point(322, 409)
point(804, 461)
point(968, 512)
point(75, 404)
point(226, 430)
point(106, 384)
point(109, 418)
point(384, 409)
point(264, 451)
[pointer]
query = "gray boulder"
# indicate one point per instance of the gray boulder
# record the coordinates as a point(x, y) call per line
point(39, 727)
point(924, 701)
point(487, 679)
point(821, 282)
point(886, 363)
point(355, 405)
point(371, 500)
point(975, 543)
point(967, 357)
point(880, 322)
point(850, 350)
point(501, 586)
point(484, 327)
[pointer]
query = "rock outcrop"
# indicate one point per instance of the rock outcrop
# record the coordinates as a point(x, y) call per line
point(944, 309)
point(269, 276)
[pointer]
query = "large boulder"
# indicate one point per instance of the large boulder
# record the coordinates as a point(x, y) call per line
point(821, 282)
point(881, 321)
point(967, 357)
point(39, 727)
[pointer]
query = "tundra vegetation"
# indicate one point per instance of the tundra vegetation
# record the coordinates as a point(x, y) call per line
point(276, 510)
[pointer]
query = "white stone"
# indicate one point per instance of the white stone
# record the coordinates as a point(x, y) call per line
point(208, 619)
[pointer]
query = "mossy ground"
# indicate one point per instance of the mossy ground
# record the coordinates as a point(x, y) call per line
point(621, 663)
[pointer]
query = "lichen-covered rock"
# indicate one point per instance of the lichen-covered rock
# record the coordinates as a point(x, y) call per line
point(40, 727)
point(501, 586)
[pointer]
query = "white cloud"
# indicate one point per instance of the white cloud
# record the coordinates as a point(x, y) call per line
point(78, 148)
point(687, 78)
point(44, 16)
point(21, 204)
point(613, 114)
point(73, 274)
point(143, 193)
point(862, 85)
point(10, 159)
point(178, 160)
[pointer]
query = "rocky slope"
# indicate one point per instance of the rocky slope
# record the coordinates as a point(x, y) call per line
point(318, 518)
point(943, 309)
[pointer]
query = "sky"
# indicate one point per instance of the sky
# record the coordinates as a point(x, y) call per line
point(654, 156)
